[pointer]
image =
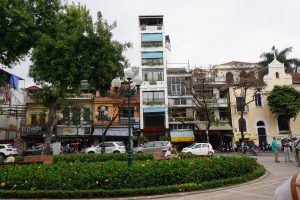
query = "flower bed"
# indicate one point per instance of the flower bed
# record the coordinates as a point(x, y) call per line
point(104, 177)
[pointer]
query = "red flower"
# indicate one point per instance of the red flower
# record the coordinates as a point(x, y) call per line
point(138, 174)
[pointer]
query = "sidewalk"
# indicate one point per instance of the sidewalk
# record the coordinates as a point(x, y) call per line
point(263, 188)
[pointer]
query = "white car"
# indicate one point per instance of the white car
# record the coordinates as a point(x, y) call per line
point(199, 149)
point(7, 150)
point(110, 147)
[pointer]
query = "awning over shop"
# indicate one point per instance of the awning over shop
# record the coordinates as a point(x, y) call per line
point(113, 132)
point(182, 136)
point(154, 110)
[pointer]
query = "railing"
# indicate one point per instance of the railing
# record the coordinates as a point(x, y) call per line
point(124, 120)
point(152, 103)
point(151, 44)
point(152, 62)
point(151, 28)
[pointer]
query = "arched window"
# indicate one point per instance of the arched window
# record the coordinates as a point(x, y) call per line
point(277, 75)
point(283, 123)
point(229, 77)
point(260, 123)
point(242, 125)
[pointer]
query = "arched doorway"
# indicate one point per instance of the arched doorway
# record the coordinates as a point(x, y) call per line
point(261, 132)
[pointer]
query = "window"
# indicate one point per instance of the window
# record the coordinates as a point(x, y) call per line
point(201, 116)
point(277, 75)
point(152, 58)
point(153, 75)
point(124, 112)
point(33, 120)
point(42, 120)
point(154, 97)
point(283, 123)
point(86, 114)
point(66, 114)
point(176, 86)
point(180, 101)
point(240, 103)
point(76, 116)
point(242, 125)
point(260, 123)
point(229, 77)
point(257, 99)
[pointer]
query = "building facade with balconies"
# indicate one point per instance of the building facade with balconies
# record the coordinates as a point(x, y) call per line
point(114, 125)
point(258, 121)
point(154, 50)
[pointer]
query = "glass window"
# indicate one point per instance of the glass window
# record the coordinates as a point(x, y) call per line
point(76, 116)
point(242, 125)
point(257, 99)
point(86, 114)
point(283, 123)
point(33, 120)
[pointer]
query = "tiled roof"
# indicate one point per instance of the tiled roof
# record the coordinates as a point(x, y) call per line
point(33, 88)
point(296, 78)
point(238, 63)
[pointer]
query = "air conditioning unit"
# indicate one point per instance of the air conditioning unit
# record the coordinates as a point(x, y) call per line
point(159, 28)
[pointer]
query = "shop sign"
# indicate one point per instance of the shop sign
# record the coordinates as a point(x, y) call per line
point(182, 136)
point(31, 130)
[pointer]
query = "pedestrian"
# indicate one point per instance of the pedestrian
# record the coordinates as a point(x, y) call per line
point(297, 149)
point(275, 148)
point(289, 190)
point(287, 149)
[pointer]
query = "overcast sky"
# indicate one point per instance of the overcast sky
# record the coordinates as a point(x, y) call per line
point(205, 32)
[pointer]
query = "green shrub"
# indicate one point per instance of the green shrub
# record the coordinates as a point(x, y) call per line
point(100, 193)
point(99, 157)
point(116, 175)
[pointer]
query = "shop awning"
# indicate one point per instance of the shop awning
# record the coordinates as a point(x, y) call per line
point(154, 110)
point(113, 132)
point(182, 136)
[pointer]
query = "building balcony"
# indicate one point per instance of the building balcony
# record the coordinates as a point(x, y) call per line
point(153, 103)
point(124, 120)
point(181, 119)
point(158, 28)
point(83, 96)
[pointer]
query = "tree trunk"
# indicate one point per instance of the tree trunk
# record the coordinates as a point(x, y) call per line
point(51, 123)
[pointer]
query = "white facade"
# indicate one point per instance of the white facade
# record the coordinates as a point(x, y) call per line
point(154, 53)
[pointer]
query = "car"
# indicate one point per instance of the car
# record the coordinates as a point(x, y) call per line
point(37, 150)
point(7, 150)
point(153, 146)
point(110, 147)
point(199, 149)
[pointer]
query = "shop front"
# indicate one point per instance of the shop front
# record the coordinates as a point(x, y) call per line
point(32, 135)
point(113, 134)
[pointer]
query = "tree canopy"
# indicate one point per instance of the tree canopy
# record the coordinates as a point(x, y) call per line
point(284, 100)
point(21, 22)
point(290, 65)
point(75, 49)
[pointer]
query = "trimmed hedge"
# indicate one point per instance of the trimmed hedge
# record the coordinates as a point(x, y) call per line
point(100, 193)
point(116, 175)
point(103, 158)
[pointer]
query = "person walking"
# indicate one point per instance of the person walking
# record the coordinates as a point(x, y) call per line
point(287, 149)
point(297, 149)
point(275, 148)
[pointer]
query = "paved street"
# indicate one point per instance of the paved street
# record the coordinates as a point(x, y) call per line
point(258, 190)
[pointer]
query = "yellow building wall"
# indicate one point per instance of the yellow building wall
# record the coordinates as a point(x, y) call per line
point(263, 113)
point(33, 109)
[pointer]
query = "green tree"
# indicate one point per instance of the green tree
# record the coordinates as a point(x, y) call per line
point(78, 49)
point(21, 24)
point(290, 65)
point(284, 100)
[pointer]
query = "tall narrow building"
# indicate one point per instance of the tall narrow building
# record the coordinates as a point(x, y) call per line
point(155, 49)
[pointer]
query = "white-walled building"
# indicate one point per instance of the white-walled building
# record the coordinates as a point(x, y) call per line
point(155, 49)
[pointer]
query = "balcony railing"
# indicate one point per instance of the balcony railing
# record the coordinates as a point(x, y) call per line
point(152, 62)
point(151, 44)
point(152, 103)
point(151, 28)
point(124, 120)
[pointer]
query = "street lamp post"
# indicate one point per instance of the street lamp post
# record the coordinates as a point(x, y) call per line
point(133, 86)
point(103, 114)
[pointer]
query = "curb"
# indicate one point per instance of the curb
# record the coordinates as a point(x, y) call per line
point(193, 192)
